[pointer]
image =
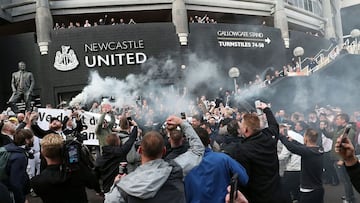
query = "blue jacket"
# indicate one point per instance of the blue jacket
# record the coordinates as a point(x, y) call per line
point(208, 181)
point(18, 180)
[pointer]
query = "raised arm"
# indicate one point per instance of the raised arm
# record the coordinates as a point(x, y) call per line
point(294, 147)
point(32, 124)
point(193, 156)
point(100, 123)
point(273, 125)
point(125, 147)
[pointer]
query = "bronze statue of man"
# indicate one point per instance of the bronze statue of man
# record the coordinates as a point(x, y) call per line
point(22, 85)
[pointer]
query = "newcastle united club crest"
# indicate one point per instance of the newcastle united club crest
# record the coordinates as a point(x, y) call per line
point(65, 60)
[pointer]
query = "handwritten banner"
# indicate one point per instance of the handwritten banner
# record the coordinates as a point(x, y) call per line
point(89, 120)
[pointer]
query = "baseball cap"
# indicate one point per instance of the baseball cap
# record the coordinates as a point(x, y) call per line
point(13, 119)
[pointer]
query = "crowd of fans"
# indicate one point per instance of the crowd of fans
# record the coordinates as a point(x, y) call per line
point(87, 23)
point(114, 21)
point(316, 34)
point(185, 149)
point(204, 19)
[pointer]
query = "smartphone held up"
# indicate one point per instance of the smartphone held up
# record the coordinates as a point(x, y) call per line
point(346, 133)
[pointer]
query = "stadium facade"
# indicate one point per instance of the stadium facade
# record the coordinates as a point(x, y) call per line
point(253, 35)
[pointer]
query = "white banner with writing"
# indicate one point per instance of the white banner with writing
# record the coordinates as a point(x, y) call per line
point(89, 120)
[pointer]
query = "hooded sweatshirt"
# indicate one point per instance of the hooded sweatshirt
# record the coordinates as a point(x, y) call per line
point(154, 181)
point(159, 180)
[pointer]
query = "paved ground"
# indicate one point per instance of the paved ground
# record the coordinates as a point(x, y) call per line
point(332, 195)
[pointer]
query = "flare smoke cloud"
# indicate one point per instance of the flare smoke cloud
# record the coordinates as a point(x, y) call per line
point(199, 77)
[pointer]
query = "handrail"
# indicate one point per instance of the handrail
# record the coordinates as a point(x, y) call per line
point(320, 52)
point(325, 56)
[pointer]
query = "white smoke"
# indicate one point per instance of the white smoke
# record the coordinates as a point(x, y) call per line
point(98, 87)
point(202, 71)
point(155, 83)
point(152, 84)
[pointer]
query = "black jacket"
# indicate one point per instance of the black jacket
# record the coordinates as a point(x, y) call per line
point(4, 194)
point(18, 179)
point(354, 172)
point(4, 140)
point(258, 154)
point(107, 165)
point(311, 163)
point(54, 185)
point(39, 132)
point(176, 151)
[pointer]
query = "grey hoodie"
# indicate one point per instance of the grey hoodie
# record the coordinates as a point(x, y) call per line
point(146, 181)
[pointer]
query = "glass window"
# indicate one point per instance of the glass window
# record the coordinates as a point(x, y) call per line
point(301, 3)
point(313, 6)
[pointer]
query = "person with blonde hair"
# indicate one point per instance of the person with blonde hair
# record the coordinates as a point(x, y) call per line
point(57, 184)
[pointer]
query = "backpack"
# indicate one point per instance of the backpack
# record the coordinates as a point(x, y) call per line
point(4, 157)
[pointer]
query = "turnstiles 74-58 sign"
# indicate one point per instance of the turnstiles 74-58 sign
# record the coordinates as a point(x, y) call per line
point(242, 39)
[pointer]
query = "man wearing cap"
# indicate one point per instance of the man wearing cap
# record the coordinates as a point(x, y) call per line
point(22, 85)
point(14, 120)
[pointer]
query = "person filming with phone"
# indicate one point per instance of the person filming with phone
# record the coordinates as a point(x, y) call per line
point(346, 150)
point(342, 124)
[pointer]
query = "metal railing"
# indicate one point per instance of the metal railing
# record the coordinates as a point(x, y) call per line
point(324, 57)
